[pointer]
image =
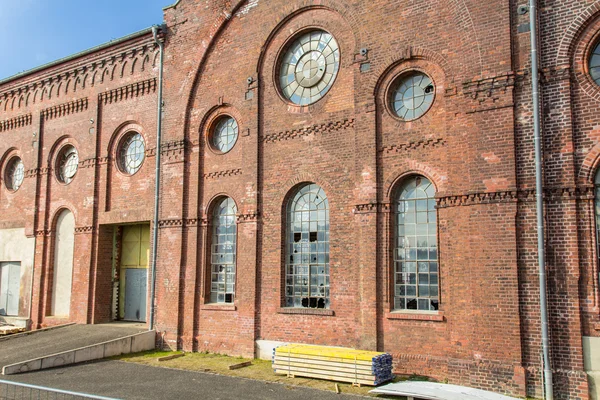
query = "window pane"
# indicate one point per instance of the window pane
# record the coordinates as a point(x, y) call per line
point(311, 245)
point(415, 256)
point(223, 251)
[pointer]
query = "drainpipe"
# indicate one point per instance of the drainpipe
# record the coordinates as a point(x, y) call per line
point(160, 43)
point(539, 196)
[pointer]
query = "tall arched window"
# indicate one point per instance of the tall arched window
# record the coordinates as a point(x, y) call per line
point(416, 253)
point(223, 260)
point(307, 249)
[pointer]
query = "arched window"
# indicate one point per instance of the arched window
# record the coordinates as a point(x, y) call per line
point(416, 250)
point(307, 249)
point(223, 265)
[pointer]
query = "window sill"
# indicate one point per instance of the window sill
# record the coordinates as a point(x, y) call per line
point(436, 316)
point(218, 307)
point(306, 311)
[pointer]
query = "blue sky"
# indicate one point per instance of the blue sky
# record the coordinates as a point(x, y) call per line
point(35, 32)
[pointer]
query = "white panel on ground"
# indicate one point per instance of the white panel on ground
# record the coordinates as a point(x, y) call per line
point(63, 264)
point(437, 391)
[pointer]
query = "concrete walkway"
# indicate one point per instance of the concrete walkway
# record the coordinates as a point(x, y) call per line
point(125, 380)
point(39, 344)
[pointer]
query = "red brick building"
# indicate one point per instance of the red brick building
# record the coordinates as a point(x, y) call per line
point(343, 173)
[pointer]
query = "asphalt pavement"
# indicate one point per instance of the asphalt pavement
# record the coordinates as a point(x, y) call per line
point(124, 380)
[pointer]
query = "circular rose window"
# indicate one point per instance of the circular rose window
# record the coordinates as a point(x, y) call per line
point(309, 67)
point(14, 174)
point(412, 95)
point(594, 64)
point(224, 134)
point(67, 164)
point(131, 153)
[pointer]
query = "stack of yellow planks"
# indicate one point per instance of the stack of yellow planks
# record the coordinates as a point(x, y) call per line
point(9, 330)
point(333, 363)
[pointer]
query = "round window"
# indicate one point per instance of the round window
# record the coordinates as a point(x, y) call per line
point(594, 64)
point(14, 174)
point(412, 95)
point(224, 134)
point(67, 164)
point(309, 67)
point(131, 153)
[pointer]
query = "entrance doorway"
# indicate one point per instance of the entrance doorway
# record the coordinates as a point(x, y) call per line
point(10, 284)
point(133, 272)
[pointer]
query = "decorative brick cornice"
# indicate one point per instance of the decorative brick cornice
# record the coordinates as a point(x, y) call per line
point(43, 232)
point(477, 198)
point(170, 223)
point(527, 195)
point(80, 230)
point(221, 174)
point(421, 144)
point(190, 222)
point(31, 173)
point(371, 208)
point(556, 73)
point(16, 122)
point(61, 110)
point(487, 87)
point(248, 217)
point(310, 130)
point(105, 65)
point(128, 92)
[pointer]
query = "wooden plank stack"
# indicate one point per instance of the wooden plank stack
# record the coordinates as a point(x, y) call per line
point(333, 363)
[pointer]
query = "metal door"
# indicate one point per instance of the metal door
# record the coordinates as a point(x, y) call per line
point(135, 294)
point(10, 283)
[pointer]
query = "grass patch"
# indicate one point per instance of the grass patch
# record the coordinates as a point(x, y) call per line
point(219, 364)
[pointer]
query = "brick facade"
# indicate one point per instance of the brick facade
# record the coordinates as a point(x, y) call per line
point(475, 145)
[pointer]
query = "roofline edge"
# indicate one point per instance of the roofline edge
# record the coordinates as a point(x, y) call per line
point(77, 55)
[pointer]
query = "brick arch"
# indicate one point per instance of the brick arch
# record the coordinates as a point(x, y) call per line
point(58, 144)
point(590, 165)
point(285, 14)
point(61, 206)
point(122, 130)
point(413, 167)
point(294, 9)
point(287, 189)
point(402, 55)
point(569, 39)
point(234, 193)
point(463, 20)
point(210, 205)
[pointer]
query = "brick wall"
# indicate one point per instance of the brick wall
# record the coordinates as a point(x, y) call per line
point(475, 145)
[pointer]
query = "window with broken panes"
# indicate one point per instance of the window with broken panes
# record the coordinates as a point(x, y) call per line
point(416, 253)
point(307, 265)
point(594, 64)
point(412, 95)
point(222, 289)
point(67, 164)
point(15, 172)
point(309, 67)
